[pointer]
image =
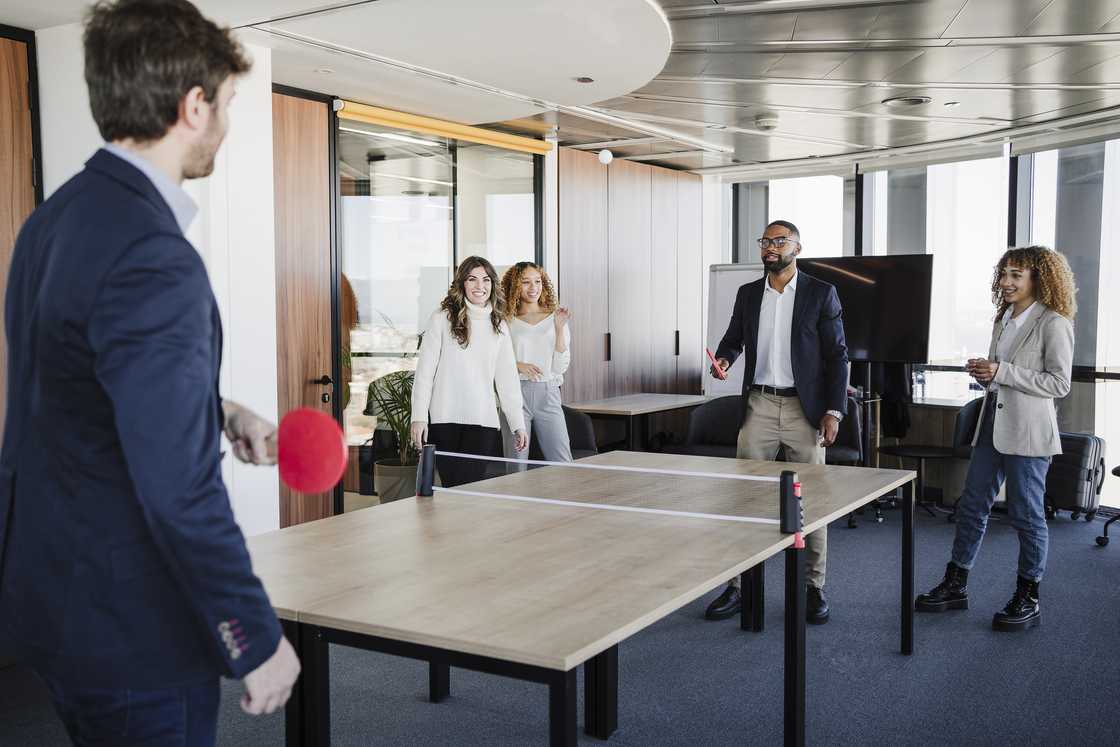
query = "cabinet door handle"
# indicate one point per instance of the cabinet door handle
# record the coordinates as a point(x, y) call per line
point(677, 342)
point(608, 346)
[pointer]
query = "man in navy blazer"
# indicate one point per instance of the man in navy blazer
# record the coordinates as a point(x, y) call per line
point(125, 582)
point(795, 381)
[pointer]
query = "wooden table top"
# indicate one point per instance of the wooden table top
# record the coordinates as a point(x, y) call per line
point(543, 583)
point(639, 404)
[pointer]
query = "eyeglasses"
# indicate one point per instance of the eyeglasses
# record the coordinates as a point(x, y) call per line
point(777, 242)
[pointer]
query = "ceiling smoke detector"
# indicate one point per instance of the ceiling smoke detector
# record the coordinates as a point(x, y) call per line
point(907, 101)
point(766, 122)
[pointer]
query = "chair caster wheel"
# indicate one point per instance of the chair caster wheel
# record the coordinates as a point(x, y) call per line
point(1074, 515)
point(1102, 541)
point(1090, 516)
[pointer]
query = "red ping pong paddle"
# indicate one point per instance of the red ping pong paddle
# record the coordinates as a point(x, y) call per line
point(310, 450)
point(720, 374)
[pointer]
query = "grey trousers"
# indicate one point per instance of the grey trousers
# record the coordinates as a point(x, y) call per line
point(543, 417)
point(774, 421)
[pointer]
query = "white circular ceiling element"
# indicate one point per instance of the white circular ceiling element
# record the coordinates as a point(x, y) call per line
point(535, 49)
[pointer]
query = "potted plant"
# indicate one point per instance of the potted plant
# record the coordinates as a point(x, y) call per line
point(390, 399)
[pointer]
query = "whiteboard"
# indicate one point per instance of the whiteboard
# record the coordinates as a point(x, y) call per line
point(724, 282)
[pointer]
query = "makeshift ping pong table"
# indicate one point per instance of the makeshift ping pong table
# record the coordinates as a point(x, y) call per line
point(531, 574)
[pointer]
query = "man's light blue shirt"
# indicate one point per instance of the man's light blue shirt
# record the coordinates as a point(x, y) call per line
point(182, 206)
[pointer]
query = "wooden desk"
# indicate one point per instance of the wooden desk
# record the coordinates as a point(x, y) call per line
point(635, 410)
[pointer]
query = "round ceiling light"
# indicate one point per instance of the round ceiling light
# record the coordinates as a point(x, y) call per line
point(907, 101)
point(952, 104)
point(324, 71)
point(584, 79)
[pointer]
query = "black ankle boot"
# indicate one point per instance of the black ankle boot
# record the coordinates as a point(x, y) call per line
point(950, 594)
point(1022, 611)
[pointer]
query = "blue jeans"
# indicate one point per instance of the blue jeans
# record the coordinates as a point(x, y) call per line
point(1026, 486)
point(185, 716)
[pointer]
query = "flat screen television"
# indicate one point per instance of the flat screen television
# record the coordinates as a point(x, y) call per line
point(886, 302)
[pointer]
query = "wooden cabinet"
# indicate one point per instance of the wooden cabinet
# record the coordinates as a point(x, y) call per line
point(631, 267)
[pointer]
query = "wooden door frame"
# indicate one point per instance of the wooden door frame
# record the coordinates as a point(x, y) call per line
point(27, 37)
point(335, 267)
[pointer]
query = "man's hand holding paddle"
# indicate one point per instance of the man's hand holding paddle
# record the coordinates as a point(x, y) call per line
point(249, 434)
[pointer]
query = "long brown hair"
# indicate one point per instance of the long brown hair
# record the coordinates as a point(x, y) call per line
point(455, 302)
point(1050, 273)
point(511, 288)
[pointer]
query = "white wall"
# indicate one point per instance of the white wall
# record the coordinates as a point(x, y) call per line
point(715, 239)
point(233, 233)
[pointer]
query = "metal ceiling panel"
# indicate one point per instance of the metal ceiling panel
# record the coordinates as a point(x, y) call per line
point(1074, 17)
point(849, 23)
point(689, 63)
point(1095, 63)
point(872, 65)
point(997, 17)
point(769, 27)
point(745, 64)
point(917, 20)
point(1002, 64)
point(937, 64)
point(807, 64)
point(695, 30)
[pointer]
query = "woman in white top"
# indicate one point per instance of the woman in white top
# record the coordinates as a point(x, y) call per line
point(465, 356)
point(541, 343)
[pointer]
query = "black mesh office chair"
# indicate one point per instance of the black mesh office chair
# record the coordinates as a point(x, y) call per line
point(961, 448)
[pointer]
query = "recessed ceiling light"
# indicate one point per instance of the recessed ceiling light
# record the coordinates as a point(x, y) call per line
point(584, 79)
point(907, 101)
point(324, 71)
point(951, 104)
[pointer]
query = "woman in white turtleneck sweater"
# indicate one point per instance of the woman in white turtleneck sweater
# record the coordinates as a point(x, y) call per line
point(541, 342)
point(466, 354)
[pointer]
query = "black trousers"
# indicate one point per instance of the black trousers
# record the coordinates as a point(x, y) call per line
point(465, 439)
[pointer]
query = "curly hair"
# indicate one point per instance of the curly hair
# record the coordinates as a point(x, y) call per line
point(511, 288)
point(1050, 272)
point(455, 302)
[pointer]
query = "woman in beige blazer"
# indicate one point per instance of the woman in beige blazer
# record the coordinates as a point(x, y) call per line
point(1027, 368)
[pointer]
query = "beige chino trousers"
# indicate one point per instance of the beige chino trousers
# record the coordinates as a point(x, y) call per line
point(772, 421)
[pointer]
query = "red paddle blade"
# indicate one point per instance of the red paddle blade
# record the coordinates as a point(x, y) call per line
point(311, 451)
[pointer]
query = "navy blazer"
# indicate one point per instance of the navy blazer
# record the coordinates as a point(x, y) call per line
point(819, 355)
point(121, 564)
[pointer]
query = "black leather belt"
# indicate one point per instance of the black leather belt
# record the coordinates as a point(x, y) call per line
point(779, 391)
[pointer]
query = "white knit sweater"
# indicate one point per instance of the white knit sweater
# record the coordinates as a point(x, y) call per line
point(456, 385)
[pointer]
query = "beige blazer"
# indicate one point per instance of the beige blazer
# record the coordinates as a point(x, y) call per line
point(1035, 374)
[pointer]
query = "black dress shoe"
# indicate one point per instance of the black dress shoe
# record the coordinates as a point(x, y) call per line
point(950, 594)
point(728, 604)
point(816, 606)
point(1022, 611)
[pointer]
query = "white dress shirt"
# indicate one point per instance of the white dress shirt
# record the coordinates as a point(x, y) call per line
point(772, 363)
point(1012, 326)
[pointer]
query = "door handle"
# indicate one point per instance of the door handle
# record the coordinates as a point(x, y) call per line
point(323, 380)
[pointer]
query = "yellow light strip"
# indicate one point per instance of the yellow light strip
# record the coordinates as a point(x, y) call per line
point(431, 126)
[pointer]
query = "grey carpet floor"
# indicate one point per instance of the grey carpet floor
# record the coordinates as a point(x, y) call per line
point(688, 681)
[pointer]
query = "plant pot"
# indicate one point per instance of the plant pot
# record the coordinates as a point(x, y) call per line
point(393, 481)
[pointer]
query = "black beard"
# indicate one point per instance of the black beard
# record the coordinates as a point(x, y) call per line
point(777, 265)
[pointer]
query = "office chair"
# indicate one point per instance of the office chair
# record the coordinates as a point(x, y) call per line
point(581, 435)
point(1103, 539)
point(963, 428)
point(713, 427)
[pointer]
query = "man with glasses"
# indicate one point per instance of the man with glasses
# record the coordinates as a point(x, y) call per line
point(795, 382)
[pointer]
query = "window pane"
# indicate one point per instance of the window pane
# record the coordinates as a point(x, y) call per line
point(495, 202)
point(1044, 198)
point(815, 204)
point(966, 231)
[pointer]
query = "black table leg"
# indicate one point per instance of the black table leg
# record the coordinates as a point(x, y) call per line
point(795, 648)
point(316, 691)
point(908, 568)
point(562, 709)
point(439, 680)
point(293, 710)
point(600, 694)
point(752, 588)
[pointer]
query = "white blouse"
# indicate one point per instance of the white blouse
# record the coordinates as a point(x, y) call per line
point(457, 385)
point(536, 344)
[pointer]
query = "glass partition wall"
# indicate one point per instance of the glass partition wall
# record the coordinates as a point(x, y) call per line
point(411, 205)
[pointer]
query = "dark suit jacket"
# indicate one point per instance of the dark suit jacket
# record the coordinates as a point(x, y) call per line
point(818, 353)
point(122, 564)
